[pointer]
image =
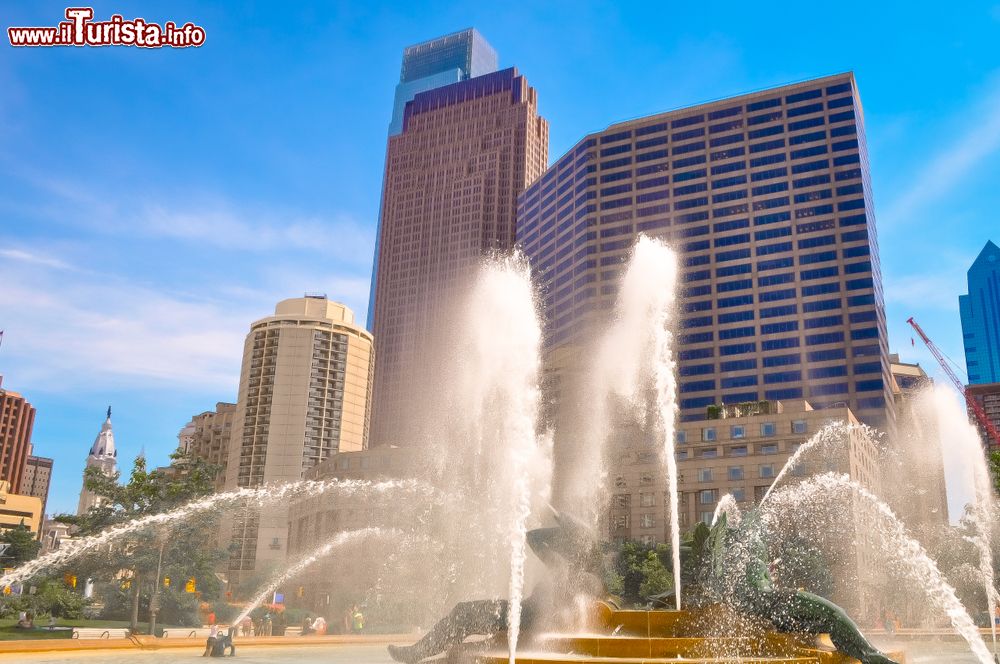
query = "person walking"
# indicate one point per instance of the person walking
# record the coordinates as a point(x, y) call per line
point(213, 636)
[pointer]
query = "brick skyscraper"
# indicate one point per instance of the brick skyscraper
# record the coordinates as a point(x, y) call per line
point(17, 417)
point(768, 201)
point(449, 197)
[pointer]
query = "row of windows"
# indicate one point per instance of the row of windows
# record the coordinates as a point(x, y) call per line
point(867, 385)
point(710, 434)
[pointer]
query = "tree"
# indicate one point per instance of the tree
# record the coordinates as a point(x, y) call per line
point(18, 545)
point(656, 578)
point(140, 562)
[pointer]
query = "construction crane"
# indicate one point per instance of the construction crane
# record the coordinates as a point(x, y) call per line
point(992, 435)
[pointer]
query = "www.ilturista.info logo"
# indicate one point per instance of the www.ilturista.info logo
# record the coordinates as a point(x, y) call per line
point(81, 30)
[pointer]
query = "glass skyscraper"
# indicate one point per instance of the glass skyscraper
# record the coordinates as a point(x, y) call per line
point(433, 64)
point(439, 62)
point(980, 311)
point(767, 199)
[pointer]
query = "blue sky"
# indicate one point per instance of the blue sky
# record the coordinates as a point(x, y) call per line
point(154, 203)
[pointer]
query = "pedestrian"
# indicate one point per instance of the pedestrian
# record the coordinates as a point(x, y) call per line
point(247, 626)
point(357, 620)
point(268, 625)
point(213, 636)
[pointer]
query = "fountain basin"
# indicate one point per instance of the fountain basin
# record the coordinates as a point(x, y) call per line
point(692, 636)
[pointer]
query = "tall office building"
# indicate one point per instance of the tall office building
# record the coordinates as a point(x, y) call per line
point(452, 178)
point(767, 199)
point(37, 479)
point(104, 457)
point(17, 417)
point(433, 64)
point(305, 388)
point(207, 437)
point(980, 311)
point(439, 62)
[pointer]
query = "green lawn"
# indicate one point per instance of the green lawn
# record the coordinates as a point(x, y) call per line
point(9, 630)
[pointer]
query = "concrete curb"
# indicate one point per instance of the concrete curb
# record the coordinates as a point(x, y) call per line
point(151, 643)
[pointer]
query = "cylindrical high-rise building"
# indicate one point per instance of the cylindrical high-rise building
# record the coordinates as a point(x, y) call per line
point(305, 393)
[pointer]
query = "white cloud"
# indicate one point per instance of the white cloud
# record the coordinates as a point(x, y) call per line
point(36, 259)
point(946, 169)
point(203, 220)
point(100, 328)
point(925, 291)
point(64, 334)
point(342, 238)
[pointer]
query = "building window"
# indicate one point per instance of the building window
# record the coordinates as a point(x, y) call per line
point(704, 474)
point(646, 478)
point(708, 434)
point(646, 499)
point(622, 501)
point(706, 497)
point(740, 451)
point(646, 520)
point(620, 482)
point(769, 449)
point(739, 494)
point(620, 522)
point(735, 473)
point(767, 429)
point(706, 517)
point(738, 431)
point(648, 540)
point(682, 437)
point(767, 471)
point(710, 453)
point(799, 426)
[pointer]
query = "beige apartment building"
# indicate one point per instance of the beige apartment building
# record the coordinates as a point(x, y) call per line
point(452, 176)
point(305, 394)
point(207, 437)
point(738, 455)
point(741, 453)
point(313, 521)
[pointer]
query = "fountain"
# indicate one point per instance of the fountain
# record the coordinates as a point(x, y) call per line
point(485, 481)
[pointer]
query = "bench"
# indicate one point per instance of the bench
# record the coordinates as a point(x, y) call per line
point(293, 631)
point(100, 633)
point(188, 632)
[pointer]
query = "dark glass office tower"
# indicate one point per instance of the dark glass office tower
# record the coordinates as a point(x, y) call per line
point(768, 201)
